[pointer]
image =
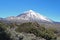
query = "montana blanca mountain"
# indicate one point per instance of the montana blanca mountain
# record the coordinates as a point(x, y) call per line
point(31, 16)
point(28, 16)
point(32, 22)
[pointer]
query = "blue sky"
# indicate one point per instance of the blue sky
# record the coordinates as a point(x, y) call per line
point(48, 8)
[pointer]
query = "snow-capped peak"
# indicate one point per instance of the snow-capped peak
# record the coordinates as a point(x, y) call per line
point(30, 12)
point(29, 16)
point(33, 15)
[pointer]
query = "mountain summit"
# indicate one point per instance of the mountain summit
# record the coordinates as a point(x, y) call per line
point(32, 15)
point(28, 16)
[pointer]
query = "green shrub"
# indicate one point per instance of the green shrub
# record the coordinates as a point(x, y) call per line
point(37, 30)
point(3, 34)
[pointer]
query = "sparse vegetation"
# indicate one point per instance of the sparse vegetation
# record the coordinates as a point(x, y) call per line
point(3, 34)
point(34, 28)
point(39, 31)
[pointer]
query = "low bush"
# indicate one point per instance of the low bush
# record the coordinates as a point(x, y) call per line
point(39, 31)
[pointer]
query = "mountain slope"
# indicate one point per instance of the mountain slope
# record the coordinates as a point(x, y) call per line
point(34, 16)
point(31, 16)
point(27, 31)
point(28, 16)
point(30, 19)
